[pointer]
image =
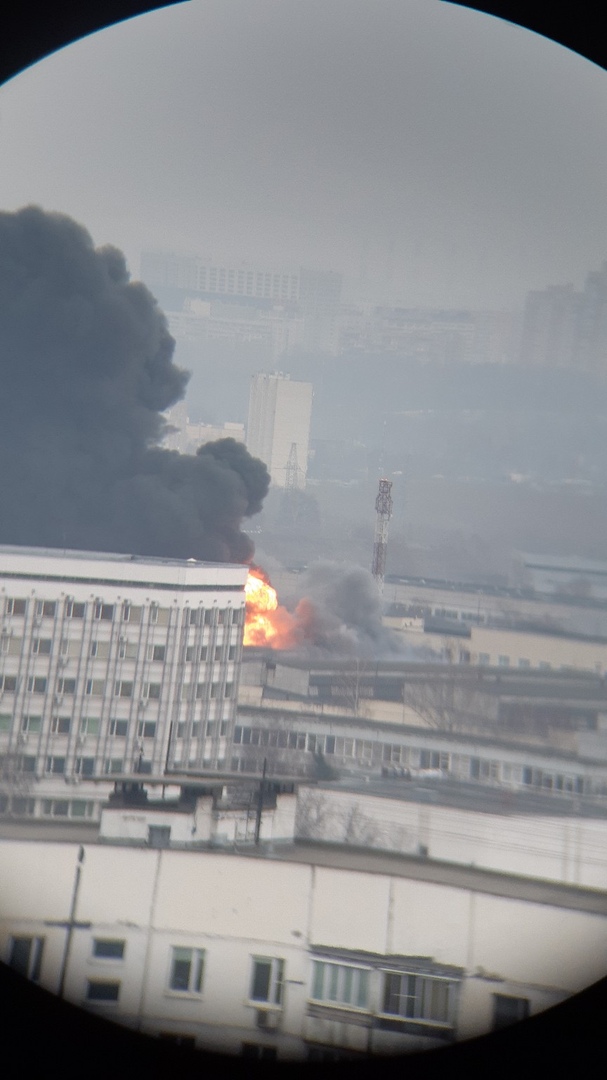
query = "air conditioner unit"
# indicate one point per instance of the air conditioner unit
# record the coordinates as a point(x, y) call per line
point(268, 1020)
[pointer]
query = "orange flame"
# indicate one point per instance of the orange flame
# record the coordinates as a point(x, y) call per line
point(266, 622)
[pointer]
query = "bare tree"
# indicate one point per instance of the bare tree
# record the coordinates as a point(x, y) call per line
point(359, 829)
point(351, 684)
point(314, 816)
point(449, 703)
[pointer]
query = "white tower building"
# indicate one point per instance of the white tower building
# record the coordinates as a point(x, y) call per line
point(280, 410)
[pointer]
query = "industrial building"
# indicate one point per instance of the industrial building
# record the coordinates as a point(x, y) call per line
point(112, 664)
point(278, 428)
point(280, 950)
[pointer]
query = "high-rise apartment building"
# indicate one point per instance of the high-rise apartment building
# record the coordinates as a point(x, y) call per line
point(113, 664)
point(278, 429)
point(549, 329)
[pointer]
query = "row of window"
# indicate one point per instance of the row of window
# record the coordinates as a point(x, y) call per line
point(484, 660)
point(91, 725)
point(422, 998)
point(24, 806)
point(126, 649)
point(38, 684)
point(365, 752)
point(429, 999)
point(127, 612)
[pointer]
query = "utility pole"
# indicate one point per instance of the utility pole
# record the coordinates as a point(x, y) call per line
point(383, 508)
point(70, 925)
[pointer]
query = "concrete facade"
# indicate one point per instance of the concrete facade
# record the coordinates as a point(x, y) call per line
point(111, 664)
point(301, 951)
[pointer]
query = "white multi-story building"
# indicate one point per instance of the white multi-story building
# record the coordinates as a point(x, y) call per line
point(291, 951)
point(278, 429)
point(112, 664)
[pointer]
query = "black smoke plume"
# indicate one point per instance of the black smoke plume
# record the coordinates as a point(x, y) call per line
point(86, 363)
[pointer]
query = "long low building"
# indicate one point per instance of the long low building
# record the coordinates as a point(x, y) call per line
point(286, 950)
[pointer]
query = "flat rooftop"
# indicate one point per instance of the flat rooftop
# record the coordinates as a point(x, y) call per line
point(111, 568)
point(105, 556)
point(348, 858)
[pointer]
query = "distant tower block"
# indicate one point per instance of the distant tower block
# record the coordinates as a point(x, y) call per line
point(383, 507)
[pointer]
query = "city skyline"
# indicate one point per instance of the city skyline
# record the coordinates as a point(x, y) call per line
point(427, 182)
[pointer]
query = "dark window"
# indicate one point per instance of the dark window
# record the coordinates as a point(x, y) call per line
point(66, 686)
point(45, 608)
point(119, 727)
point(508, 1010)
point(108, 948)
point(254, 1050)
point(104, 611)
point(36, 685)
point(41, 646)
point(159, 836)
point(85, 766)
point(25, 956)
point(187, 967)
point(74, 610)
point(55, 765)
point(158, 652)
point(15, 607)
point(102, 991)
point(147, 729)
point(60, 725)
point(267, 980)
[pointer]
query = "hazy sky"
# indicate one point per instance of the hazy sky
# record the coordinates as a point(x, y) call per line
point(453, 159)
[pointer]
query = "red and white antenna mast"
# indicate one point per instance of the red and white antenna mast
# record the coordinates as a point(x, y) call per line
point(383, 507)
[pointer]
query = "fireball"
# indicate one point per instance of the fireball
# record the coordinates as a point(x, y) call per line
point(266, 622)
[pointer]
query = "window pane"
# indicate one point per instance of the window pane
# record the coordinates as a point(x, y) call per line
point(262, 972)
point(508, 1010)
point(180, 971)
point(363, 989)
point(317, 991)
point(198, 971)
point(103, 991)
point(20, 955)
point(110, 949)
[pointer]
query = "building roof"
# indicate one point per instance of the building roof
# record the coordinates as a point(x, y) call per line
point(348, 858)
point(112, 568)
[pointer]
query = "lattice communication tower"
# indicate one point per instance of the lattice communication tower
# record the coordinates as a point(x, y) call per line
point(383, 508)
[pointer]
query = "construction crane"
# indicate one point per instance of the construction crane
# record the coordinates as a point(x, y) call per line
point(383, 508)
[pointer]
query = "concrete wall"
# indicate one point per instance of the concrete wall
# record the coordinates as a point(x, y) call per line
point(557, 848)
point(236, 907)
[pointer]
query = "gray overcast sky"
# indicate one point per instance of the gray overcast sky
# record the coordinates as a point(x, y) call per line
point(455, 159)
